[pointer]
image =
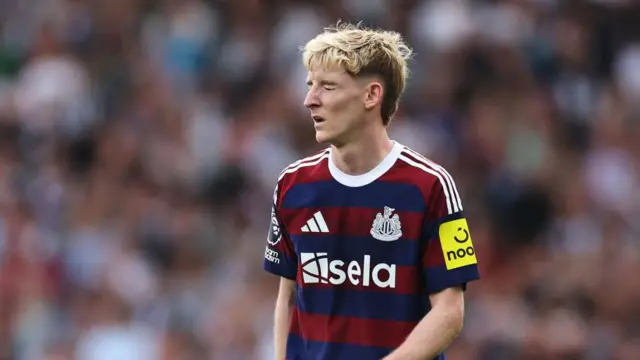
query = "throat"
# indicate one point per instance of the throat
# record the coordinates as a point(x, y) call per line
point(359, 159)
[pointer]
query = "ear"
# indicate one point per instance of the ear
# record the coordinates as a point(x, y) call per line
point(374, 94)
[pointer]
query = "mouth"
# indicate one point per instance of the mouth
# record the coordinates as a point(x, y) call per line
point(317, 119)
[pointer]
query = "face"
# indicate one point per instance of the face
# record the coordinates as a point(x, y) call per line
point(339, 104)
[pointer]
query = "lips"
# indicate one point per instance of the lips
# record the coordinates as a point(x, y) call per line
point(317, 119)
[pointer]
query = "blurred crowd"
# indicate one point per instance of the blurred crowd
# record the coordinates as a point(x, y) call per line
point(140, 141)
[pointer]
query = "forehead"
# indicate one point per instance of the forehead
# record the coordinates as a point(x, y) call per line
point(335, 74)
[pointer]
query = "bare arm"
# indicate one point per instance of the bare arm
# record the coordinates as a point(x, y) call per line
point(282, 317)
point(436, 330)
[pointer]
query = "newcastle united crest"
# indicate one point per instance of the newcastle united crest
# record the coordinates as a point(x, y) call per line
point(386, 227)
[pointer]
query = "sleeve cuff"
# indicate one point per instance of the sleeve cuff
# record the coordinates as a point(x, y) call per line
point(439, 278)
point(279, 270)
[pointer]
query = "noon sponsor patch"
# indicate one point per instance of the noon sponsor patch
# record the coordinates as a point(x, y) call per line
point(457, 246)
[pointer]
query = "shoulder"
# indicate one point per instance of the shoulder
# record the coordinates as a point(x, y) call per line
point(304, 166)
point(432, 178)
point(310, 168)
point(420, 168)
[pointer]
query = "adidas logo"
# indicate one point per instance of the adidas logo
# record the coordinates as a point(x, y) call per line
point(316, 224)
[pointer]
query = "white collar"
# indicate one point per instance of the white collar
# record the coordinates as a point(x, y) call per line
point(370, 176)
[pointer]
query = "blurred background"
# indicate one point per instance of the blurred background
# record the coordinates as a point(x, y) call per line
point(140, 142)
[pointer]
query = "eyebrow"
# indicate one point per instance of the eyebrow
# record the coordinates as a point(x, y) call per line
point(323, 82)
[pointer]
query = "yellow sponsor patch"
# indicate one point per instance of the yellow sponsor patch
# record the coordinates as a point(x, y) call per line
point(456, 244)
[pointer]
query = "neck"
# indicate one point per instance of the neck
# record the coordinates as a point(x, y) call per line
point(362, 155)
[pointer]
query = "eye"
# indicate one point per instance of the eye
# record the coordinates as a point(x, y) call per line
point(329, 87)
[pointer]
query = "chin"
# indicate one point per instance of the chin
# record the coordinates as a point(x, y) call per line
point(322, 137)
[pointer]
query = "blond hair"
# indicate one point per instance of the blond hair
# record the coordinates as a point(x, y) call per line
point(362, 51)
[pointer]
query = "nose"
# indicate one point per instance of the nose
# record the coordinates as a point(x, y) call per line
point(311, 100)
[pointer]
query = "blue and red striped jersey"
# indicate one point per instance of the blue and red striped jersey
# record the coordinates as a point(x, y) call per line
point(365, 251)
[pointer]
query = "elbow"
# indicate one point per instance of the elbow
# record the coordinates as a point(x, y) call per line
point(457, 323)
point(456, 319)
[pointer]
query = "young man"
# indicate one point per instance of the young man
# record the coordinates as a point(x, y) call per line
point(367, 236)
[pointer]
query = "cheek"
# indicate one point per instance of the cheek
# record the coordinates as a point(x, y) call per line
point(342, 103)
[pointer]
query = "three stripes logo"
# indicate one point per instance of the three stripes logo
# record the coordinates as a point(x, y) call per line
point(316, 224)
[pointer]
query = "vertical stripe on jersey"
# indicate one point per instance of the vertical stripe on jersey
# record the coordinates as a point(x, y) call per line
point(454, 204)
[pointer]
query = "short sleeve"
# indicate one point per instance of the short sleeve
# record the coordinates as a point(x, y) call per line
point(448, 254)
point(279, 254)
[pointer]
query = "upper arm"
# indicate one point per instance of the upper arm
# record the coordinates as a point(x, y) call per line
point(448, 255)
point(286, 289)
point(450, 301)
point(451, 297)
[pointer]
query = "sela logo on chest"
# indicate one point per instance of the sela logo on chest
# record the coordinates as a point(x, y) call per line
point(386, 227)
point(318, 268)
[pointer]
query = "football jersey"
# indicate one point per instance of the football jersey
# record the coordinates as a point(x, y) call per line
point(365, 251)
